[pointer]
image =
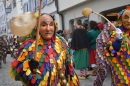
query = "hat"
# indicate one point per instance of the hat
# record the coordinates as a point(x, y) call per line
point(101, 26)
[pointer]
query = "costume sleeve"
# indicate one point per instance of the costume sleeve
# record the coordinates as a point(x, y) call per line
point(71, 75)
point(19, 69)
point(113, 46)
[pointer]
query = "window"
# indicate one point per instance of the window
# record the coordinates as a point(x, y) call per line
point(49, 1)
point(37, 4)
point(25, 7)
point(44, 2)
point(14, 3)
point(10, 7)
point(33, 5)
point(29, 5)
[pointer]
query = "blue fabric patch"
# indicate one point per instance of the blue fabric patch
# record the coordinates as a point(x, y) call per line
point(46, 50)
point(30, 76)
point(21, 66)
point(24, 75)
point(113, 51)
point(47, 65)
point(128, 56)
point(44, 72)
point(128, 74)
point(125, 52)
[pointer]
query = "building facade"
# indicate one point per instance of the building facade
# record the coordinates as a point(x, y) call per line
point(13, 8)
point(73, 9)
point(48, 6)
point(3, 26)
point(66, 11)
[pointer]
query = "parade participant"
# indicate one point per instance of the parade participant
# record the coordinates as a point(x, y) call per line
point(10, 43)
point(79, 43)
point(52, 66)
point(60, 32)
point(92, 35)
point(3, 50)
point(103, 65)
point(4, 47)
point(85, 25)
point(117, 51)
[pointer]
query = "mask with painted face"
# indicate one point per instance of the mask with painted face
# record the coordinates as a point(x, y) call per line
point(124, 19)
point(51, 22)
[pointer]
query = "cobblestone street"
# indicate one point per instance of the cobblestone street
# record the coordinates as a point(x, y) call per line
point(5, 79)
point(89, 81)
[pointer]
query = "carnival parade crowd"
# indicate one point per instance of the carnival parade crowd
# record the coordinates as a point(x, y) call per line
point(96, 46)
point(8, 46)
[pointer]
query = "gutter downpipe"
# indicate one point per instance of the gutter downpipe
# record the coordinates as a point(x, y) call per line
point(62, 17)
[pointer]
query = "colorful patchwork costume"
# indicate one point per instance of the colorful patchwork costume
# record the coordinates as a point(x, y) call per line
point(47, 72)
point(116, 56)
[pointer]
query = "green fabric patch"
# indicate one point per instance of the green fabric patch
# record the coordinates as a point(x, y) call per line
point(38, 76)
point(24, 80)
point(27, 57)
point(17, 77)
point(15, 71)
point(39, 48)
point(42, 57)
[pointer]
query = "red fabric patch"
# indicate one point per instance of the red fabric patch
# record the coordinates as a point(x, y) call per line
point(50, 51)
point(33, 81)
point(54, 54)
point(49, 42)
point(15, 63)
point(46, 58)
point(42, 68)
point(18, 70)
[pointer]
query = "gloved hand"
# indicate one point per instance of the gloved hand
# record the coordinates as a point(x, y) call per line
point(117, 44)
point(119, 33)
point(33, 64)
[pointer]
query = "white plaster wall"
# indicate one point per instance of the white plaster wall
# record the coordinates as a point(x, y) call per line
point(58, 20)
point(65, 4)
point(96, 5)
point(49, 8)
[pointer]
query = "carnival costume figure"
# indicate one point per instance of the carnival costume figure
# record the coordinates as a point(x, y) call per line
point(52, 66)
point(117, 50)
